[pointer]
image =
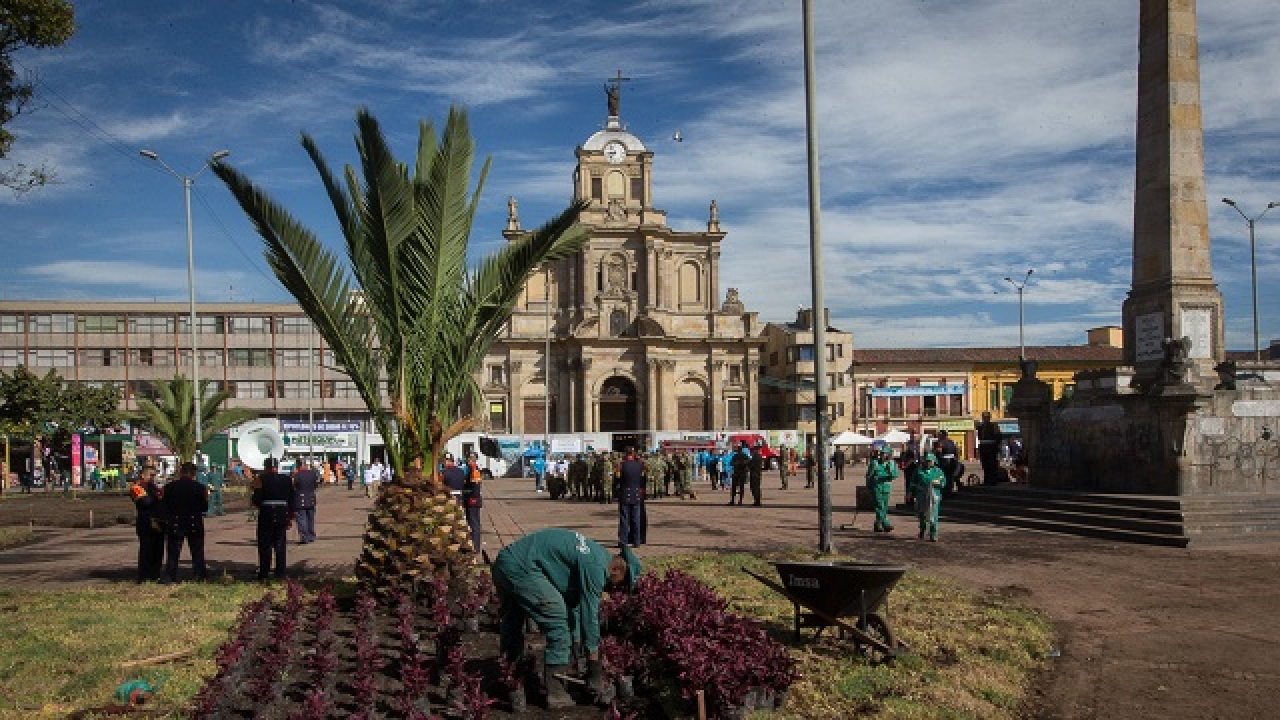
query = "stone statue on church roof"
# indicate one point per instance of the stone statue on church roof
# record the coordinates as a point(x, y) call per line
point(614, 92)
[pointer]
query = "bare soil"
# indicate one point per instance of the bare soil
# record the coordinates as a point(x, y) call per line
point(1144, 631)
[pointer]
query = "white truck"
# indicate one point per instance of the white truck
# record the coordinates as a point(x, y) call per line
point(469, 442)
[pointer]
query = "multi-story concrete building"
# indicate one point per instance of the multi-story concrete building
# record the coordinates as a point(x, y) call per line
point(787, 379)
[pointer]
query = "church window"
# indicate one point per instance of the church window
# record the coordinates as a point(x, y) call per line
point(597, 188)
point(736, 416)
point(617, 323)
point(735, 374)
point(637, 190)
point(690, 284)
point(616, 187)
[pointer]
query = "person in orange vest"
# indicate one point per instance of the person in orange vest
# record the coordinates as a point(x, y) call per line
point(149, 524)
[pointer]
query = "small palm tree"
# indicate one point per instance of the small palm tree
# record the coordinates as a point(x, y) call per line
point(170, 414)
point(407, 312)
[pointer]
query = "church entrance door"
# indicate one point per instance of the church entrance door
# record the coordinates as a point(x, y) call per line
point(618, 405)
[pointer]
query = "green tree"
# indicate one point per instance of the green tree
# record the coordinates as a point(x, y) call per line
point(26, 24)
point(51, 408)
point(406, 310)
point(170, 415)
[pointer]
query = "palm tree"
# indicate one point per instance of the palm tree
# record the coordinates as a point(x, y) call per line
point(406, 311)
point(170, 414)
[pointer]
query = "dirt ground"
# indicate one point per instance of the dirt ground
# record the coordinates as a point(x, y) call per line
point(1144, 631)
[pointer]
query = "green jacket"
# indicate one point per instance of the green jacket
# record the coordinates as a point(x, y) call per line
point(881, 471)
point(577, 568)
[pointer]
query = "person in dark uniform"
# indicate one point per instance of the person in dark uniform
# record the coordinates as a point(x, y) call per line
point(741, 459)
point(631, 500)
point(989, 440)
point(944, 449)
point(149, 525)
point(185, 502)
point(838, 459)
point(473, 500)
point(579, 470)
point(305, 482)
point(274, 499)
point(755, 469)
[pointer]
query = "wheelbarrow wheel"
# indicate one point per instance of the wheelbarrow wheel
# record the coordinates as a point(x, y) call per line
point(878, 628)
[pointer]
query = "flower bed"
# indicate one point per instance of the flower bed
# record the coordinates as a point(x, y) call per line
point(676, 632)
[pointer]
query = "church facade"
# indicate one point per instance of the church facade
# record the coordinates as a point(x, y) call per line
point(638, 334)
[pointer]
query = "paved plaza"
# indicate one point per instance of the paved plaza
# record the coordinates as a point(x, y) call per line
point(1145, 631)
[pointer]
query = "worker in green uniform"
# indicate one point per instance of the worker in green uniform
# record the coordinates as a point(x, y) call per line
point(928, 496)
point(212, 481)
point(881, 473)
point(555, 577)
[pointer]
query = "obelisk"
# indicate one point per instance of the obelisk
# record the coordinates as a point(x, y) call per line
point(1173, 293)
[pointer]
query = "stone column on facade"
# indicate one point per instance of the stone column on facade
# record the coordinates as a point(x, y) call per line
point(753, 394)
point(651, 393)
point(516, 424)
point(589, 403)
point(662, 391)
point(651, 275)
point(717, 402)
point(571, 392)
point(714, 278)
point(1173, 292)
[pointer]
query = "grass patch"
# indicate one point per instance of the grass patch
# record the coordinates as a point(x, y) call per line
point(62, 651)
point(14, 536)
point(969, 656)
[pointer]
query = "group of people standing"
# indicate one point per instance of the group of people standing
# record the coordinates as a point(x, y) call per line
point(173, 515)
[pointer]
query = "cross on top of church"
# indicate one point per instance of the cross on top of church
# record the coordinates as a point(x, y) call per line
point(613, 89)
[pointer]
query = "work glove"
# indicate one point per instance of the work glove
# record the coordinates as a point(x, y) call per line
point(600, 692)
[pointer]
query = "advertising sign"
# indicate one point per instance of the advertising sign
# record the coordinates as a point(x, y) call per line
point(565, 444)
point(322, 426)
point(75, 460)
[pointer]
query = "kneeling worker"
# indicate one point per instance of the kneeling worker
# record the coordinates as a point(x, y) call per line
point(555, 577)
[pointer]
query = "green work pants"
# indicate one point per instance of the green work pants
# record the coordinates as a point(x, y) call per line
point(882, 491)
point(524, 594)
point(215, 503)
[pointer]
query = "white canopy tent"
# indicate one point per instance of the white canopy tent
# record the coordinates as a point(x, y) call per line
point(849, 437)
point(894, 437)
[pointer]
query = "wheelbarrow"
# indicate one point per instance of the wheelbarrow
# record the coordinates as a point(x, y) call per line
point(833, 593)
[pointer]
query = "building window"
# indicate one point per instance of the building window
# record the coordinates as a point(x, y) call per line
point(256, 325)
point(497, 375)
point(929, 406)
point(55, 323)
point(11, 358)
point(839, 409)
point(151, 324)
point(149, 357)
point(637, 190)
point(11, 323)
point(291, 358)
point(292, 389)
point(498, 415)
point(342, 389)
point(897, 408)
point(957, 406)
point(834, 351)
point(100, 323)
point(735, 374)
point(252, 389)
point(736, 416)
point(293, 325)
point(249, 357)
point(52, 358)
point(804, 353)
point(773, 358)
point(205, 324)
point(597, 191)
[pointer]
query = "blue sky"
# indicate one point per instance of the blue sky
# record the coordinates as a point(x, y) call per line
point(960, 142)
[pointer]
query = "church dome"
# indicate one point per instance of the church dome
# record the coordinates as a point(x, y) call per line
point(614, 131)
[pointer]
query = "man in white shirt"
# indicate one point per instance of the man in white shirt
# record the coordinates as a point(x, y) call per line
point(372, 476)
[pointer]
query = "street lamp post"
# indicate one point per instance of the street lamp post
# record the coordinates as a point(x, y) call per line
point(1253, 266)
point(187, 181)
point(1021, 288)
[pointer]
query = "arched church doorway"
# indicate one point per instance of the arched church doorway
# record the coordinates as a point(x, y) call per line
point(618, 405)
